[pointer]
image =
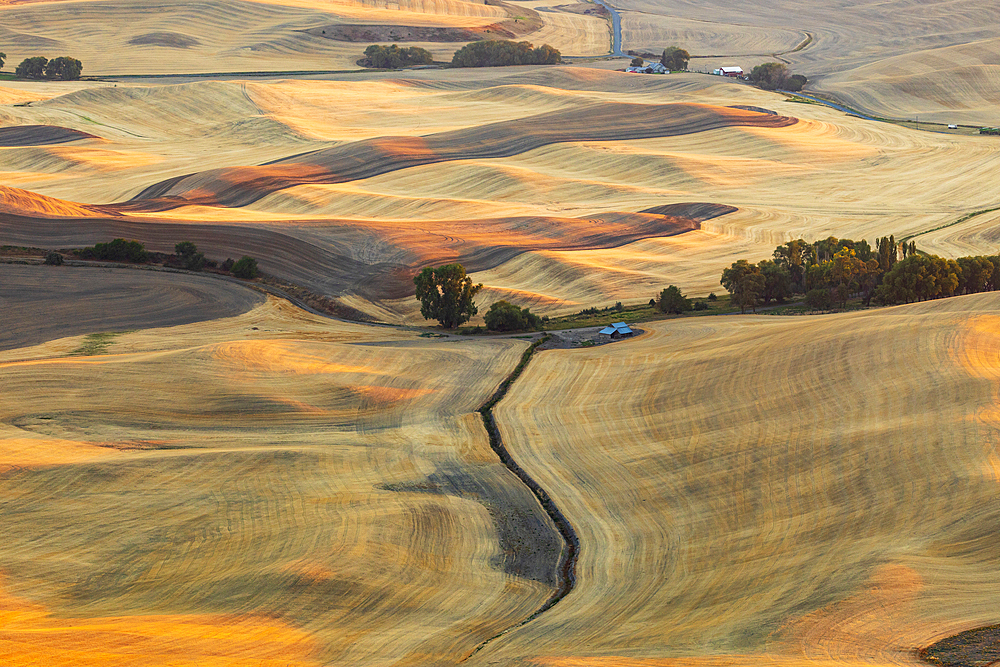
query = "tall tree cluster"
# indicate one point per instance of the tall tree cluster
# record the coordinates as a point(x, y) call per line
point(500, 53)
point(63, 68)
point(830, 271)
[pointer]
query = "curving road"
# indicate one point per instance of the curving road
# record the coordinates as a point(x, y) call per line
point(616, 28)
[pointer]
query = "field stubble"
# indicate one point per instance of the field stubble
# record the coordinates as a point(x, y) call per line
point(798, 491)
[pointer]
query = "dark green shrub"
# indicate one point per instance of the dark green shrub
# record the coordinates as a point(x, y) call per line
point(712, 297)
point(394, 57)
point(819, 298)
point(505, 316)
point(53, 259)
point(700, 305)
point(245, 268)
point(118, 250)
point(190, 258)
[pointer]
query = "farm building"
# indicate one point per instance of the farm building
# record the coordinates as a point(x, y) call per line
point(728, 71)
point(616, 331)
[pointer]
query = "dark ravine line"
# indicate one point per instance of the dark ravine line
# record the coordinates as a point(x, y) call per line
point(566, 570)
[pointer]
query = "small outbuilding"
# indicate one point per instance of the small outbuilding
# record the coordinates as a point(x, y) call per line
point(616, 331)
point(728, 71)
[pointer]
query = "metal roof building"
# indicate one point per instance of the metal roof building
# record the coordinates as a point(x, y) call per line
point(617, 330)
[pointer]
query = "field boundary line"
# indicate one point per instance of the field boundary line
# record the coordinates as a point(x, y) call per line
point(566, 570)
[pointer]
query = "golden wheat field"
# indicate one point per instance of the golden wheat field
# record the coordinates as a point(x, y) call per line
point(768, 490)
point(505, 172)
point(197, 471)
point(272, 488)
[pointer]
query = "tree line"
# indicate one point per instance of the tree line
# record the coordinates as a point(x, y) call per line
point(486, 53)
point(63, 68)
point(830, 271)
point(186, 256)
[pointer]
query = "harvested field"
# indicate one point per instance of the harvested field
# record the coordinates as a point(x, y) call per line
point(273, 475)
point(39, 135)
point(242, 186)
point(145, 36)
point(896, 58)
point(42, 303)
point(778, 490)
point(501, 170)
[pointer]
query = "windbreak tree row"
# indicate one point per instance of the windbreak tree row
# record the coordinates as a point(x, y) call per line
point(831, 271)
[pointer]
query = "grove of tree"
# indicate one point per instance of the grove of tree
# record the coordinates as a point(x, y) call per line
point(501, 53)
point(774, 76)
point(830, 271)
point(63, 68)
point(445, 294)
point(394, 57)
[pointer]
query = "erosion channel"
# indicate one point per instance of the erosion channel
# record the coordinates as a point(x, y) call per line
point(566, 570)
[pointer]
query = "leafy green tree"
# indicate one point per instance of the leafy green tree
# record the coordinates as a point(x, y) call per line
point(636, 62)
point(675, 58)
point(975, 274)
point(3, 59)
point(64, 69)
point(745, 283)
point(770, 76)
point(505, 316)
point(795, 257)
point(191, 259)
point(31, 68)
point(671, 300)
point(446, 294)
point(777, 281)
point(796, 82)
point(245, 268)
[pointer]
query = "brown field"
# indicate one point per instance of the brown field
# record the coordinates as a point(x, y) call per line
point(47, 302)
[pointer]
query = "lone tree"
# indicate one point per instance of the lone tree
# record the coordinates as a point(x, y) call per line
point(445, 295)
point(675, 58)
point(672, 301)
point(3, 59)
point(636, 62)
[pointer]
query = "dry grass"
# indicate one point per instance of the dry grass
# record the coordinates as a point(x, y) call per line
point(788, 490)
